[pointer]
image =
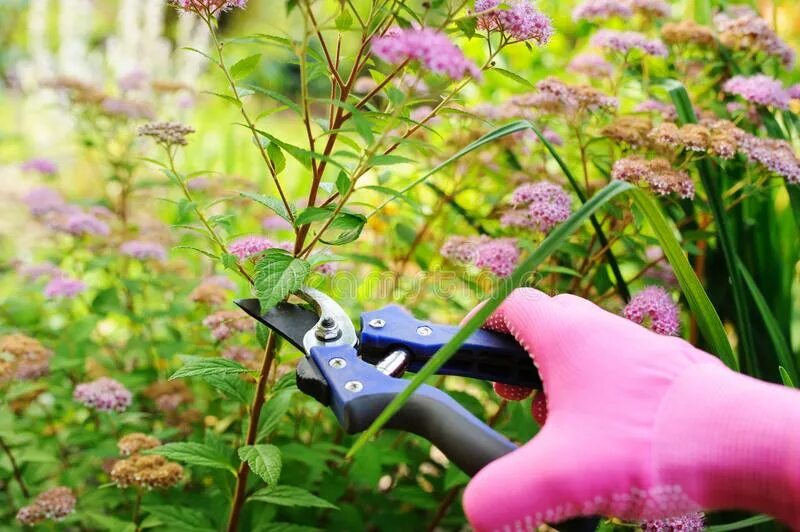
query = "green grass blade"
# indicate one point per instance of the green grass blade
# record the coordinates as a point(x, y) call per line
point(622, 286)
point(708, 320)
point(738, 525)
point(488, 138)
point(787, 380)
point(504, 288)
point(773, 329)
point(711, 178)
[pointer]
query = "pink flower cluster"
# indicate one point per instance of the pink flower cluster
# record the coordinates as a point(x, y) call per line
point(40, 165)
point(63, 287)
point(34, 272)
point(776, 155)
point(249, 246)
point(794, 92)
point(626, 41)
point(209, 6)
point(601, 10)
point(43, 200)
point(81, 223)
point(55, 503)
point(658, 174)
point(664, 110)
point(687, 523)
point(144, 250)
point(653, 307)
point(540, 206)
point(591, 65)
point(430, 47)
point(652, 8)
point(760, 89)
point(741, 28)
point(103, 394)
point(498, 255)
point(521, 21)
point(224, 323)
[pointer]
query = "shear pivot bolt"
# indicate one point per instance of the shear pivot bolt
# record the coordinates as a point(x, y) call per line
point(377, 323)
point(328, 330)
point(424, 331)
point(353, 386)
point(337, 363)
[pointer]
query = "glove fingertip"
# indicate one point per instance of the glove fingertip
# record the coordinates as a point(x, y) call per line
point(512, 392)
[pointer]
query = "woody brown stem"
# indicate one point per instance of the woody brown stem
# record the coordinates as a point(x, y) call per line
point(15, 468)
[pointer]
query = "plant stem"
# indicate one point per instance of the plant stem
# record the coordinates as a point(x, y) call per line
point(252, 432)
point(15, 468)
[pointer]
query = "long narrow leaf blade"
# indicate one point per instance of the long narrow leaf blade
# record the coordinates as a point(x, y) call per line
point(547, 247)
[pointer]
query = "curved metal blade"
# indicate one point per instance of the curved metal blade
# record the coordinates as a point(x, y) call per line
point(290, 321)
point(327, 308)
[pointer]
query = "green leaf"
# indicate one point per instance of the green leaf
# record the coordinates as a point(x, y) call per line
point(387, 160)
point(244, 67)
point(278, 274)
point(395, 193)
point(277, 97)
point(349, 226)
point(277, 406)
point(344, 20)
point(738, 525)
point(779, 344)
point(231, 385)
point(229, 261)
point(710, 177)
point(312, 214)
point(708, 320)
point(192, 453)
point(342, 183)
point(785, 378)
point(290, 496)
point(179, 517)
point(200, 366)
point(273, 204)
point(264, 460)
point(285, 527)
point(504, 287)
point(512, 76)
point(277, 157)
point(468, 25)
point(107, 522)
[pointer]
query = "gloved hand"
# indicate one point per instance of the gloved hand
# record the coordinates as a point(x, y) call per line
point(638, 426)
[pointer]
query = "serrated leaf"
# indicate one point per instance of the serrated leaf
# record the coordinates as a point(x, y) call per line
point(264, 460)
point(291, 496)
point(229, 261)
point(199, 366)
point(312, 214)
point(179, 517)
point(349, 226)
point(277, 157)
point(278, 274)
point(232, 386)
point(273, 411)
point(245, 67)
point(273, 204)
point(467, 25)
point(192, 453)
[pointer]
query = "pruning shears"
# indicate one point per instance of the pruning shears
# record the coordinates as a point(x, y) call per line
point(357, 375)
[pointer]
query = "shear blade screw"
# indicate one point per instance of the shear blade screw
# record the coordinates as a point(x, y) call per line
point(353, 386)
point(424, 331)
point(337, 363)
point(328, 330)
point(377, 323)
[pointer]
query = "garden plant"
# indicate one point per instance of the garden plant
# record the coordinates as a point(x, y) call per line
point(161, 158)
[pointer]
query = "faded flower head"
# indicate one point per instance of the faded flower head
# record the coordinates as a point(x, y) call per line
point(429, 47)
point(224, 323)
point(741, 28)
point(553, 96)
point(144, 250)
point(653, 307)
point(652, 8)
point(80, 223)
point(657, 173)
point(125, 108)
point(666, 111)
point(65, 287)
point(632, 130)
point(243, 355)
point(591, 65)
point(777, 156)
point(168, 395)
point(43, 200)
point(249, 246)
point(460, 249)
point(23, 358)
point(34, 272)
point(540, 206)
point(40, 165)
point(760, 89)
point(146, 471)
point(626, 41)
point(211, 293)
point(209, 7)
point(275, 223)
point(55, 503)
point(686, 523)
point(601, 10)
point(167, 133)
point(500, 255)
point(103, 394)
point(687, 32)
point(135, 442)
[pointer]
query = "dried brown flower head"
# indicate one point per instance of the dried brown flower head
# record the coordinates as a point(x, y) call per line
point(724, 138)
point(167, 133)
point(657, 173)
point(150, 471)
point(665, 135)
point(168, 395)
point(553, 96)
point(135, 442)
point(55, 503)
point(631, 130)
point(687, 32)
point(22, 357)
point(694, 137)
point(163, 85)
point(209, 293)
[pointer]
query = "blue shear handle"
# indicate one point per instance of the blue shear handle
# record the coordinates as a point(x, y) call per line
point(486, 355)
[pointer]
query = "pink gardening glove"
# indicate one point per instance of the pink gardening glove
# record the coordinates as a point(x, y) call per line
point(638, 426)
